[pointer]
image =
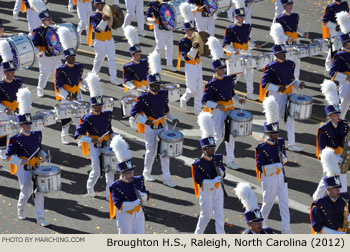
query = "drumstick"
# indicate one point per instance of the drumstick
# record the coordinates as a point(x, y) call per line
point(103, 135)
point(264, 44)
point(174, 126)
point(33, 154)
point(48, 154)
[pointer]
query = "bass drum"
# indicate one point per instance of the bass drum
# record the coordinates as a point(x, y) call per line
point(170, 13)
point(52, 40)
point(73, 31)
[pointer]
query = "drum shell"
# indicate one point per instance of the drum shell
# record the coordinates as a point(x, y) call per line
point(262, 61)
point(173, 91)
point(63, 111)
point(300, 109)
point(324, 44)
point(314, 49)
point(48, 179)
point(291, 53)
point(127, 103)
point(176, 20)
point(234, 66)
point(223, 5)
point(241, 123)
point(249, 62)
point(80, 108)
point(6, 128)
point(108, 104)
point(38, 122)
point(171, 143)
point(49, 117)
point(302, 52)
point(74, 33)
point(109, 160)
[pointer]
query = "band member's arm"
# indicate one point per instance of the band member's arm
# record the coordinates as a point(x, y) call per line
point(266, 80)
point(81, 131)
point(98, 25)
point(198, 175)
point(189, 53)
point(150, 16)
point(283, 149)
point(207, 99)
point(317, 222)
point(327, 17)
point(266, 169)
point(11, 153)
point(128, 78)
point(220, 163)
point(2, 106)
point(117, 197)
point(110, 128)
point(16, 9)
point(322, 139)
point(136, 112)
point(140, 185)
point(228, 38)
point(60, 85)
point(336, 67)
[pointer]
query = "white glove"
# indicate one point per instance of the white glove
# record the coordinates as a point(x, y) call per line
point(339, 159)
point(229, 49)
point(15, 16)
point(150, 20)
point(284, 159)
point(130, 205)
point(144, 197)
point(217, 179)
point(221, 172)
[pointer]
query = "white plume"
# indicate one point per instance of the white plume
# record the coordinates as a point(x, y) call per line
point(154, 62)
point(343, 19)
point(5, 51)
point(206, 124)
point(38, 5)
point(65, 37)
point(215, 48)
point(121, 148)
point(186, 11)
point(238, 3)
point(329, 90)
point(247, 196)
point(271, 109)
point(329, 162)
point(93, 81)
point(24, 101)
point(130, 33)
point(277, 34)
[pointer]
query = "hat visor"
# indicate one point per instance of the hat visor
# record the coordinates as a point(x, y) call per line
point(26, 123)
point(334, 113)
point(70, 55)
point(273, 132)
point(209, 146)
point(97, 104)
point(257, 220)
point(13, 69)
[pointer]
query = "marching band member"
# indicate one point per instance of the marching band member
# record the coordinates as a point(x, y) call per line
point(340, 67)
point(104, 42)
point(270, 158)
point(132, 7)
point(218, 95)
point(71, 4)
point(94, 132)
point(26, 6)
point(327, 213)
point(163, 35)
point(150, 112)
point(207, 174)
point(84, 10)
point(247, 10)
point(236, 40)
point(331, 134)
point(135, 71)
point(48, 63)
point(9, 86)
point(330, 27)
point(252, 214)
point(203, 17)
point(68, 78)
point(278, 78)
point(128, 193)
point(193, 66)
point(290, 23)
point(23, 154)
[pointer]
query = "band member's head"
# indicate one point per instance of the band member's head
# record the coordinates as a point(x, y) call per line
point(7, 64)
point(189, 28)
point(45, 18)
point(345, 40)
point(206, 126)
point(239, 15)
point(135, 52)
point(208, 146)
point(279, 51)
point(24, 107)
point(333, 113)
point(154, 82)
point(1, 28)
point(99, 4)
point(219, 67)
point(69, 55)
point(287, 5)
point(272, 130)
point(121, 149)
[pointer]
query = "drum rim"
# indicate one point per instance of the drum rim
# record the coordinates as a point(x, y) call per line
point(10, 40)
point(172, 140)
point(304, 102)
point(173, 9)
point(49, 174)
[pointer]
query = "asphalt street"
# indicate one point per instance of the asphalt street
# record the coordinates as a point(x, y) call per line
point(170, 210)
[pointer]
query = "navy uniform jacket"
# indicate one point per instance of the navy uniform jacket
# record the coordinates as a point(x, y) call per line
point(325, 213)
point(204, 168)
point(238, 35)
point(68, 77)
point(123, 191)
point(265, 230)
point(332, 137)
point(38, 39)
point(267, 153)
point(219, 89)
point(136, 72)
point(23, 145)
point(8, 91)
point(331, 11)
point(341, 63)
point(278, 73)
point(95, 124)
point(100, 34)
point(289, 23)
point(185, 46)
point(153, 12)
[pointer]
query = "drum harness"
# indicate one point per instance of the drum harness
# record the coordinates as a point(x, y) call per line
point(30, 169)
point(100, 146)
point(138, 194)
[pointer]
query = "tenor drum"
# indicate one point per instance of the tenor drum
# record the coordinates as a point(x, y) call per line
point(262, 61)
point(173, 91)
point(6, 127)
point(109, 160)
point(336, 44)
point(127, 103)
point(170, 12)
point(324, 44)
point(80, 108)
point(241, 123)
point(63, 111)
point(249, 61)
point(234, 66)
point(108, 104)
point(302, 52)
point(38, 122)
point(223, 5)
point(48, 179)
point(171, 143)
point(23, 50)
point(300, 106)
point(314, 49)
point(49, 116)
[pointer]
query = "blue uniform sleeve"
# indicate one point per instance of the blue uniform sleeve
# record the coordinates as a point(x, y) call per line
point(336, 65)
point(259, 159)
point(59, 79)
point(166, 102)
point(198, 175)
point(36, 37)
point(117, 197)
point(12, 148)
point(140, 184)
point(208, 94)
point(110, 128)
point(327, 15)
point(316, 218)
point(127, 73)
point(267, 77)
point(82, 128)
point(322, 139)
point(95, 21)
point(228, 38)
point(282, 146)
point(184, 49)
point(150, 10)
point(138, 107)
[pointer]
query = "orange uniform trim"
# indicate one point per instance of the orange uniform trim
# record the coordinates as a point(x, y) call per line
point(23, 7)
point(10, 105)
point(195, 185)
point(292, 35)
point(32, 162)
point(90, 34)
point(112, 207)
point(258, 173)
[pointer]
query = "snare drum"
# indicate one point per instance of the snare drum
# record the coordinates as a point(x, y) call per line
point(171, 143)
point(302, 52)
point(6, 127)
point(291, 53)
point(49, 116)
point(80, 108)
point(324, 44)
point(23, 50)
point(336, 44)
point(170, 12)
point(234, 66)
point(127, 103)
point(173, 91)
point(109, 160)
point(300, 106)
point(63, 111)
point(241, 123)
point(108, 104)
point(38, 122)
point(223, 5)
point(48, 179)
point(249, 61)
point(262, 61)
point(314, 49)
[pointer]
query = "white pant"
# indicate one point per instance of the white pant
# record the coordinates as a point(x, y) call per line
point(278, 9)
point(194, 85)
point(70, 3)
point(25, 184)
point(75, 120)
point(248, 15)
point(296, 60)
point(211, 202)
point(33, 20)
point(321, 188)
point(131, 223)
point(47, 66)
point(84, 11)
point(164, 41)
point(96, 172)
point(219, 126)
point(248, 73)
point(103, 49)
point(344, 95)
point(132, 7)
point(272, 187)
point(290, 123)
point(151, 151)
point(205, 23)
point(1, 73)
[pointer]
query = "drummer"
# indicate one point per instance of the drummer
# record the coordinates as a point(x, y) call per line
point(94, 132)
point(204, 17)
point(236, 40)
point(48, 63)
point(9, 86)
point(135, 71)
point(217, 98)
point(23, 154)
point(150, 113)
point(32, 16)
point(68, 78)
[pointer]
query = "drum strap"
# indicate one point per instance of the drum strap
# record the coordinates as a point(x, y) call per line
point(227, 129)
point(158, 148)
point(101, 165)
point(34, 187)
point(286, 111)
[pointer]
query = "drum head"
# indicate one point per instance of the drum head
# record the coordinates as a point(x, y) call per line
point(52, 41)
point(129, 99)
point(170, 86)
point(211, 6)
point(167, 15)
point(46, 171)
point(241, 116)
point(301, 99)
point(171, 135)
